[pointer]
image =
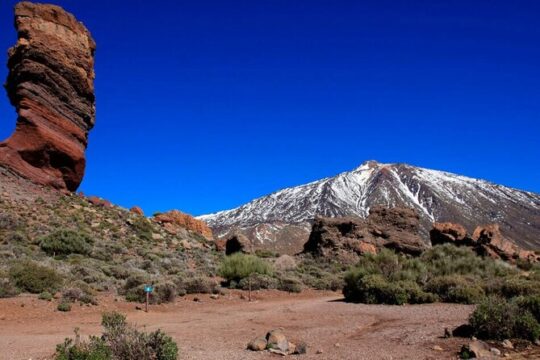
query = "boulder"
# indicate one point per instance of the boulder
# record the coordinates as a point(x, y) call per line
point(51, 85)
point(94, 200)
point(136, 210)
point(238, 243)
point(477, 349)
point(174, 219)
point(443, 233)
point(257, 344)
point(491, 242)
point(348, 237)
point(276, 340)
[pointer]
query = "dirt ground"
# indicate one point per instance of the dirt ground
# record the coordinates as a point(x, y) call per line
point(220, 329)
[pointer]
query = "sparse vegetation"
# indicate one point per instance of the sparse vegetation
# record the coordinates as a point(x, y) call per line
point(65, 242)
point(444, 273)
point(497, 318)
point(34, 278)
point(119, 341)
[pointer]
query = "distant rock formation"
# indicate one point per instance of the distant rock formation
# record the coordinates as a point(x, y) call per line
point(348, 237)
point(238, 243)
point(51, 85)
point(174, 219)
point(486, 240)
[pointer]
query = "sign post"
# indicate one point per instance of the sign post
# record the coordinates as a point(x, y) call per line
point(147, 289)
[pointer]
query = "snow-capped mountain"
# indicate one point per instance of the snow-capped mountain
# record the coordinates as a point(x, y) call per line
point(281, 220)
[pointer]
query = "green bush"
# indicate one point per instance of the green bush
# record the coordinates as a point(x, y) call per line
point(7, 288)
point(74, 294)
point(119, 341)
point(143, 228)
point(47, 296)
point(258, 282)
point(64, 306)
point(497, 319)
point(197, 285)
point(455, 289)
point(446, 273)
point(239, 266)
point(290, 284)
point(34, 278)
point(65, 242)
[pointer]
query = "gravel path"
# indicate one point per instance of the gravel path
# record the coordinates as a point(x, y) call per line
point(219, 329)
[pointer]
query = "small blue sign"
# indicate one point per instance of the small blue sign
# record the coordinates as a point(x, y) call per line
point(148, 288)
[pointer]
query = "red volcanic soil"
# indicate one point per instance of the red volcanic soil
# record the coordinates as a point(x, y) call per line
point(220, 329)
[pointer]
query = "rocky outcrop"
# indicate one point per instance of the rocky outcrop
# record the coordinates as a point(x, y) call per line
point(486, 240)
point(238, 243)
point(348, 237)
point(51, 85)
point(174, 219)
point(449, 233)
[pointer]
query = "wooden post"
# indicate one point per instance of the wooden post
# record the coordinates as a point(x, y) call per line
point(249, 287)
point(147, 300)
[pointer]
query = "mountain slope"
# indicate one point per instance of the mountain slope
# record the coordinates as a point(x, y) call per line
point(281, 220)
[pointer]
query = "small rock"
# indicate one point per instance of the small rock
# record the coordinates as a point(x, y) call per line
point(337, 345)
point(196, 299)
point(257, 344)
point(277, 340)
point(276, 351)
point(507, 344)
point(214, 296)
point(138, 308)
point(319, 352)
point(437, 348)
point(495, 351)
point(292, 348)
point(301, 348)
point(447, 333)
point(477, 349)
point(537, 342)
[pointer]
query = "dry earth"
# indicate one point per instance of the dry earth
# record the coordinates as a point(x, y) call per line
point(219, 329)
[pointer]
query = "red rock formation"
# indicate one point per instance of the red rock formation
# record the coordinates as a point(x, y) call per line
point(486, 240)
point(449, 233)
point(50, 83)
point(174, 219)
point(136, 210)
point(348, 237)
point(491, 242)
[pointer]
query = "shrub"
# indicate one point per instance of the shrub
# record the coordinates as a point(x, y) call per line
point(119, 341)
point(71, 295)
point(496, 318)
point(258, 282)
point(65, 242)
point(165, 292)
point(238, 266)
point(143, 228)
point(94, 349)
point(290, 284)
point(31, 277)
point(45, 296)
point(64, 306)
point(7, 289)
point(455, 289)
point(284, 263)
point(197, 285)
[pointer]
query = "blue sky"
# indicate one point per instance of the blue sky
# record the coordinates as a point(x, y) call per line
point(204, 105)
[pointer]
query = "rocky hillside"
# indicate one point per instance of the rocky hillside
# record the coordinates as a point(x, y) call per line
point(282, 220)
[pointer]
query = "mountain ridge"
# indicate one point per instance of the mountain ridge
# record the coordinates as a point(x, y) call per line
point(436, 195)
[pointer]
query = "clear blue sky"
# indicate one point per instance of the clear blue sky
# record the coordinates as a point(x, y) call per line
point(205, 105)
